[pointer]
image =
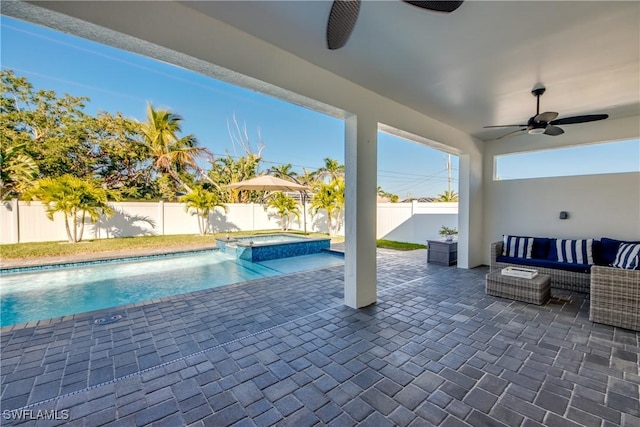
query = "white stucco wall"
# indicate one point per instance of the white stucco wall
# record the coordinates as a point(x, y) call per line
point(598, 206)
point(415, 222)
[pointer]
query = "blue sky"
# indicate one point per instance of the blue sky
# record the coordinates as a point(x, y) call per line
point(116, 80)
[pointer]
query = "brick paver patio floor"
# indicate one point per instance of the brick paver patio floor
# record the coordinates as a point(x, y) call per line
point(434, 350)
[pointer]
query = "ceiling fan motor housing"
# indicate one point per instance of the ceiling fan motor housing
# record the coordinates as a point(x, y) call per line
point(534, 127)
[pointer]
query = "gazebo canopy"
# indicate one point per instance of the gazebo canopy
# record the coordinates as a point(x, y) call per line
point(267, 183)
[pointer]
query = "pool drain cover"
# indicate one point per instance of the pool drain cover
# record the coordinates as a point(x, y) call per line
point(107, 320)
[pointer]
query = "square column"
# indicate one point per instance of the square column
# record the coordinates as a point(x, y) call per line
point(470, 249)
point(361, 163)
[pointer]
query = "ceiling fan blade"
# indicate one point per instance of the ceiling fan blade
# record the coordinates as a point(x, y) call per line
point(515, 132)
point(438, 6)
point(579, 119)
point(342, 20)
point(553, 130)
point(547, 116)
point(505, 126)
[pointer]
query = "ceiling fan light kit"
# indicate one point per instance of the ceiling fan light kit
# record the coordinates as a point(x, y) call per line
point(545, 123)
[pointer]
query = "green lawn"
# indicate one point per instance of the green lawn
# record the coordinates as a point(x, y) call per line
point(400, 246)
point(44, 249)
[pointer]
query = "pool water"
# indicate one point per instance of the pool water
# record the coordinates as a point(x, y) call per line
point(31, 296)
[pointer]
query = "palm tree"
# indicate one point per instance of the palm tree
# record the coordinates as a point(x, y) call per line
point(286, 206)
point(328, 197)
point(307, 177)
point(393, 198)
point(169, 153)
point(331, 170)
point(283, 171)
point(448, 196)
point(227, 170)
point(17, 171)
point(74, 198)
point(202, 203)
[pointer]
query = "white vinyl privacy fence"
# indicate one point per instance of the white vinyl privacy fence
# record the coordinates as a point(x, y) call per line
point(406, 222)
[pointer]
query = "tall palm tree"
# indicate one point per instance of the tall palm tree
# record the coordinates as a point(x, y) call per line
point(75, 198)
point(331, 170)
point(283, 171)
point(306, 178)
point(169, 153)
point(202, 203)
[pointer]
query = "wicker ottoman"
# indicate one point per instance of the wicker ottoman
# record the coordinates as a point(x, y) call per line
point(535, 291)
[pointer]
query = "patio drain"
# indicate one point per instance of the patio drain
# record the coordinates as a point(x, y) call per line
point(107, 320)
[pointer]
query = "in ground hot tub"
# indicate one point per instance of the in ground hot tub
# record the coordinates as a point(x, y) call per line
point(266, 247)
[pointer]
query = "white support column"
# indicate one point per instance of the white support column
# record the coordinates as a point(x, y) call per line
point(470, 239)
point(361, 152)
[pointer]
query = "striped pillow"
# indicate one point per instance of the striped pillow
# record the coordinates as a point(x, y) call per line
point(628, 256)
point(575, 251)
point(518, 247)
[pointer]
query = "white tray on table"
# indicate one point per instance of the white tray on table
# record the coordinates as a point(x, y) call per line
point(524, 273)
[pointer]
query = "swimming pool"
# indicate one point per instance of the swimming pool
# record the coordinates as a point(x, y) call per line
point(48, 293)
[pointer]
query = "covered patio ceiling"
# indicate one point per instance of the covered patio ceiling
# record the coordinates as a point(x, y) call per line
point(471, 68)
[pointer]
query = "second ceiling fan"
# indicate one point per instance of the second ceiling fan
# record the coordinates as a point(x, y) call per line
point(546, 122)
point(344, 14)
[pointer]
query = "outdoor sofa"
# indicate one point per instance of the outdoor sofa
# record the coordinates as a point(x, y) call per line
point(614, 291)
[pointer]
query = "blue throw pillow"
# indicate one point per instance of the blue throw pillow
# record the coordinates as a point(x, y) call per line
point(610, 249)
point(628, 256)
point(553, 252)
point(575, 251)
point(540, 248)
point(516, 246)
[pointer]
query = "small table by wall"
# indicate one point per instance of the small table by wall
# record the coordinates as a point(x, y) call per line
point(442, 252)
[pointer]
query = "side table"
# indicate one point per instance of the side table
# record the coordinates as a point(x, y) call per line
point(442, 252)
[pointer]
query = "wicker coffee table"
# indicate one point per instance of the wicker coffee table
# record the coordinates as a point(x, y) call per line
point(535, 291)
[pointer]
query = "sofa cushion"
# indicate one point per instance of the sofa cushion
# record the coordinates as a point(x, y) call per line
point(578, 251)
point(540, 248)
point(545, 263)
point(517, 246)
point(628, 256)
point(610, 250)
